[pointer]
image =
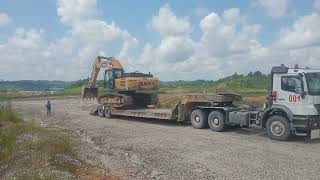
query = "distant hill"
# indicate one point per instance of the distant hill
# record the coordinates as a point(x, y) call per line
point(254, 82)
point(32, 85)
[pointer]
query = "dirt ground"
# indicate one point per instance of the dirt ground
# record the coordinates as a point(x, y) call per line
point(132, 148)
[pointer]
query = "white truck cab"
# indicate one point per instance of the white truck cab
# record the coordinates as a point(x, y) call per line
point(295, 101)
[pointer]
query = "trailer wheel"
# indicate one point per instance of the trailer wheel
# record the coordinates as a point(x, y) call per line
point(198, 119)
point(278, 128)
point(216, 121)
point(107, 112)
point(101, 112)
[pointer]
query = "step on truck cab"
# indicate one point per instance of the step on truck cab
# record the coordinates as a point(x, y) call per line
point(292, 108)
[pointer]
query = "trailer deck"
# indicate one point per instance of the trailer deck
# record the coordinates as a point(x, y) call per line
point(144, 113)
point(180, 112)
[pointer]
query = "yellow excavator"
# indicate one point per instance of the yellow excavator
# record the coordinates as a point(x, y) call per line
point(122, 89)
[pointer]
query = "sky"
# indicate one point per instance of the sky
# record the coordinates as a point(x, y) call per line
point(172, 39)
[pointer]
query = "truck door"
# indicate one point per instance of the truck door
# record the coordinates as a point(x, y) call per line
point(288, 93)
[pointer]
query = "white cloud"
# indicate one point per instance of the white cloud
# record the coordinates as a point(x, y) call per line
point(90, 36)
point(72, 11)
point(4, 19)
point(227, 35)
point(22, 53)
point(167, 24)
point(275, 8)
point(316, 5)
point(176, 45)
point(128, 49)
point(300, 42)
point(304, 32)
point(232, 15)
point(171, 49)
point(71, 56)
point(227, 43)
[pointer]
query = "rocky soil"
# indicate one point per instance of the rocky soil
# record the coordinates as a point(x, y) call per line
point(133, 148)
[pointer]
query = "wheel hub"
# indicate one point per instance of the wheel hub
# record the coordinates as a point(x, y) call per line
point(216, 121)
point(277, 128)
point(197, 119)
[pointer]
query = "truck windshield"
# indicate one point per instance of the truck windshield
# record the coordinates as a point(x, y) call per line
point(313, 81)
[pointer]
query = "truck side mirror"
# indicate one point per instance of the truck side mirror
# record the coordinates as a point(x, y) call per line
point(298, 90)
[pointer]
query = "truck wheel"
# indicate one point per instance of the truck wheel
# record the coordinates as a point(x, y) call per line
point(278, 128)
point(216, 121)
point(107, 112)
point(101, 112)
point(198, 119)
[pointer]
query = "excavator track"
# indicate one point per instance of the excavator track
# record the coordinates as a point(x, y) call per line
point(115, 100)
point(123, 100)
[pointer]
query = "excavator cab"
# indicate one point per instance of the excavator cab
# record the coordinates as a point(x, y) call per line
point(109, 77)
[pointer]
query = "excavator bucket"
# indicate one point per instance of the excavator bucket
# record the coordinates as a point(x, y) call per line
point(89, 92)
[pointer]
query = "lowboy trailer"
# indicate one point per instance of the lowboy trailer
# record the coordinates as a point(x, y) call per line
point(292, 108)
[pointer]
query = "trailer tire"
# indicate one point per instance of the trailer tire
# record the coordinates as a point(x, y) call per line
point(278, 128)
point(107, 112)
point(216, 120)
point(101, 112)
point(199, 119)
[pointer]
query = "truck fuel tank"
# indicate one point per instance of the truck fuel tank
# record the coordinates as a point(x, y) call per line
point(239, 117)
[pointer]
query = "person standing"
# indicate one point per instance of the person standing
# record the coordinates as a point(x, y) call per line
point(48, 106)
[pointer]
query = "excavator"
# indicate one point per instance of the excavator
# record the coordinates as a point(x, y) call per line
point(121, 89)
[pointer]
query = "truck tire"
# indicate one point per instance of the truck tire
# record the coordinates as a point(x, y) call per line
point(278, 128)
point(216, 120)
point(101, 112)
point(107, 112)
point(199, 119)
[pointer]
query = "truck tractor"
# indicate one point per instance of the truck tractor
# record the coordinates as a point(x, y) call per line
point(292, 108)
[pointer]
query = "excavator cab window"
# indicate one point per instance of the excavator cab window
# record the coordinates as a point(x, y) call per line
point(109, 77)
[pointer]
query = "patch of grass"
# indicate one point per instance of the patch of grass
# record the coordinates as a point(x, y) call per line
point(9, 124)
point(168, 101)
point(255, 102)
point(29, 151)
point(70, 91)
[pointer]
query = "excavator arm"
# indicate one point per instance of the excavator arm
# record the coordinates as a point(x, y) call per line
point(91, 90)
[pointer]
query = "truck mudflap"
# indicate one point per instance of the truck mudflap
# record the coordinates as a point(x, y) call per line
point(315, 134)
point(314, 124)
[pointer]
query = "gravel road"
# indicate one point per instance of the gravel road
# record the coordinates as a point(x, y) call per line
point(132, 148)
